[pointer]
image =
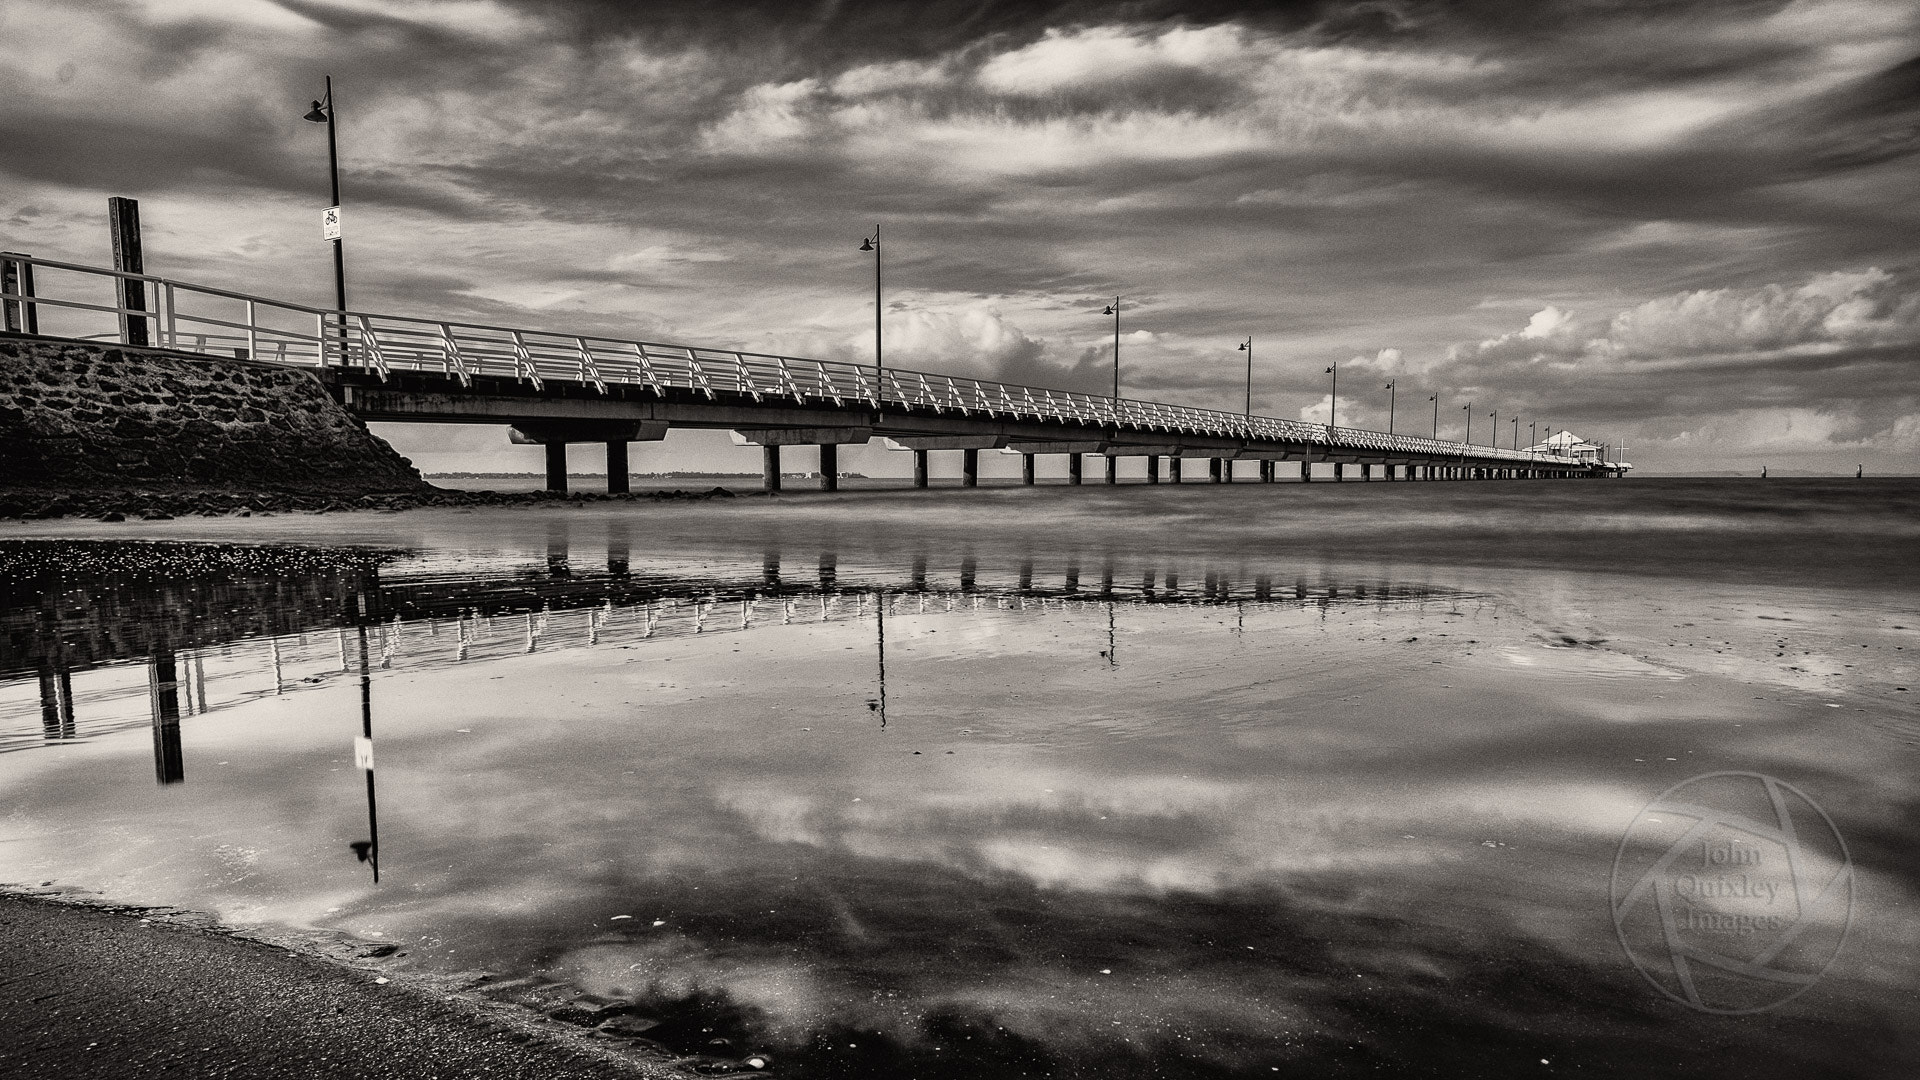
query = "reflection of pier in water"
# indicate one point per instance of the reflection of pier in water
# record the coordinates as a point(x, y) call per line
point(348, 608)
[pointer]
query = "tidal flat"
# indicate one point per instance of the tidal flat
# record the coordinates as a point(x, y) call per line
point(1199, 781)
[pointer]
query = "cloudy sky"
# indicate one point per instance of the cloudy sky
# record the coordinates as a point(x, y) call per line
point(1684, 227)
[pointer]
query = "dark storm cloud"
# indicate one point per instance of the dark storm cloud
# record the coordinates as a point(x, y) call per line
point(1338, 178)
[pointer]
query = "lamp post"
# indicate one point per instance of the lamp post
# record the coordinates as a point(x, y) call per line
point(872, 243)
point(1113, 309)
point(1390, 395)
point(1333, 399)
point(1435, 398)
point(1247, 347)
point(324, 112)
point(1516, 434)
point(1468, 409)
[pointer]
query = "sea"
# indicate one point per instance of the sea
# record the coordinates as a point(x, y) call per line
point(1461, 779)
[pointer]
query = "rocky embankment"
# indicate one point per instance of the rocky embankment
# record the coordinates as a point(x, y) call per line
point(101, 430)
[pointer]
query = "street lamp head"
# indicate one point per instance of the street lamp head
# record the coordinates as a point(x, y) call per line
point(317, 114)
point(1243, 346)
point(866, 244)
point(1108, 310)
point(1329, 371)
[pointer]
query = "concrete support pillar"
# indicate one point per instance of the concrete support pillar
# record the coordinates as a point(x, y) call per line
point(770, 467)
point(1173, 469)
point(1306, 472)
point(1113, 469)
point(1073, 468)
point(920, 468)
point(1153, 468)
point(1366, 471)
point(829, 467)
point(1266, 470)
point(1213, 470)
point(556, 466)
point(969, 468)
point(1027, 469)
point(1339, 470)
point(618, 481)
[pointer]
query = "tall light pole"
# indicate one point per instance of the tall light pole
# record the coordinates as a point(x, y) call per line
point(1468, 408)
point(1333, 400)
point(1113, 309)
point(1494, 439)
point(324, 112)
point(1516, 434)
point(1247, 347)
point(872, 243)
point(1390, 393)
point(1435, 398)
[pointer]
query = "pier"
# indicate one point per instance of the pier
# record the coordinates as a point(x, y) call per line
point(555, 389)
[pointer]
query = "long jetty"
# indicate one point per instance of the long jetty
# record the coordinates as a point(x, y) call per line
point(555, 389)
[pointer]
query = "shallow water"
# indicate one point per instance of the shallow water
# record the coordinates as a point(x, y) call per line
point(1064, 782)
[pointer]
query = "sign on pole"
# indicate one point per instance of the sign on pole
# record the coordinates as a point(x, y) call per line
point(330, 223)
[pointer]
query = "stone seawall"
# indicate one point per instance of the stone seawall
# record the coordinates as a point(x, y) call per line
point(84, 417)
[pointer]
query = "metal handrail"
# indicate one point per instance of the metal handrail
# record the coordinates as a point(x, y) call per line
point(387, 343)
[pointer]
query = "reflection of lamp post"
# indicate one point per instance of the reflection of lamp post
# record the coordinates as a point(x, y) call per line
point(1247, 347)
point(1390, 393)
point(1333, 399)
point(1113, 309)
point(323, 112)
point(872, 243)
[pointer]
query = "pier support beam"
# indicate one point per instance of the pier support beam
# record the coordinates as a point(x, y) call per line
point(770, 466)
point(1113, 469)
point(920, 468)
point(1339, 470)
point(1213, 470)
point(1306, 472)
point(1266, 470)
point(1153, 468)
point(1073, 468)
point(618, 479)
point(1027, 467)
point(1366, 471)
point(1173, 469)
point(829, 467)
point(556, 466)
point(970, 468)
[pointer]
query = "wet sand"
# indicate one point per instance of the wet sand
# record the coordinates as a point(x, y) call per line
point(1365, 827)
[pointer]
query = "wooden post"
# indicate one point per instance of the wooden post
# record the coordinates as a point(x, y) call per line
point(1306, 472)
point(1073, 468)
point(1027, 469)
point(556, 466)
point(919, 468)
point(16, 278)
point(1339, 470)
point(1173, 469)
point(969, 468)
point(123, 220)
point(1213, 470)
point(618, 482)
point(1113, 469)
point(829, 467)
point(1153, 468)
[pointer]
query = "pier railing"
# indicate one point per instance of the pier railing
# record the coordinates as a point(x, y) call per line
point(199, 318)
